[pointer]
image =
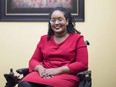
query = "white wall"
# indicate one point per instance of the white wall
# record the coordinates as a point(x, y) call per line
point(18, 41)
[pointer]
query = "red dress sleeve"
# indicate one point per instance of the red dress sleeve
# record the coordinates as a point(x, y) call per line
point(36, 58)
point(81, 61)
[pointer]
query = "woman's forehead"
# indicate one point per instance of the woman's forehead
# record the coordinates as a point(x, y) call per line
point(57, 13)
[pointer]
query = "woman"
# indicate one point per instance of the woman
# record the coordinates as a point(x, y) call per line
point(59, 55)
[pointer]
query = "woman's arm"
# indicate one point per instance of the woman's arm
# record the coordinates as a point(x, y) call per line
point(81, 61)
point(37, 57)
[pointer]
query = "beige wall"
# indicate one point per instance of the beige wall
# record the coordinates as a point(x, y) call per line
point(18, 41)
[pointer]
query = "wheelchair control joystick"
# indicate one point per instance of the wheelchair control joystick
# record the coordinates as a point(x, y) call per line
point(11, 79)
point(11, 72)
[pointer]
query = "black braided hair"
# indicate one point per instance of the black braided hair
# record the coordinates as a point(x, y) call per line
point(68, 16)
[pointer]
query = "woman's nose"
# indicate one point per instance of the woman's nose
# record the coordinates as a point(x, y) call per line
point(56, 22)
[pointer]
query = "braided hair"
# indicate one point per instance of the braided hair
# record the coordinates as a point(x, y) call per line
point(68, 16)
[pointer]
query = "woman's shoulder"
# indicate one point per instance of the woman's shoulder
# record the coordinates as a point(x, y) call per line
point(76, 35)
point(44, 36)
point(43, 39)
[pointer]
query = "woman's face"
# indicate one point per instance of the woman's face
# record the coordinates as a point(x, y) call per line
point(58, 22)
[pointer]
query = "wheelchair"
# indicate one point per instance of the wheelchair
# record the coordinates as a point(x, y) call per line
point(12, 80)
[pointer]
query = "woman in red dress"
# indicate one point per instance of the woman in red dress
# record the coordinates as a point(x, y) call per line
point(59, 55)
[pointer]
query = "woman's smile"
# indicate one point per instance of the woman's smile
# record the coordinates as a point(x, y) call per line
point(57, 27)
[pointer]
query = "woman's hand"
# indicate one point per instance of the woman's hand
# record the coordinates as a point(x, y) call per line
point(49, 73)
point(40, 69)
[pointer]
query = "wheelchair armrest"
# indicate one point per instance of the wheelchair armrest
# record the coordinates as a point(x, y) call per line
point(85, 79)
point(84, 74)
point(23, 71)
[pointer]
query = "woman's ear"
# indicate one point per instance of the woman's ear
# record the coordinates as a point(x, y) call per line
point(67, 22)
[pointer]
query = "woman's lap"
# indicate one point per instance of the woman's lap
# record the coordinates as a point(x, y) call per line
point(65, 80)
point(30, 84)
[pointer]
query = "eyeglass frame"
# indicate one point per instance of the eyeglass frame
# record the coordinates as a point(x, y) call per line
point(59, 20)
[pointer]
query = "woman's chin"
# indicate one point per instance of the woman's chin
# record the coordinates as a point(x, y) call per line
point(58, 30)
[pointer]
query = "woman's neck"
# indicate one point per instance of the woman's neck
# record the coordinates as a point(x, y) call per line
point(58, 38)
point(59, 35)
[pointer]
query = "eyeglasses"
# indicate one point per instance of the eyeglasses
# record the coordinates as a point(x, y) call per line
point(59, 20)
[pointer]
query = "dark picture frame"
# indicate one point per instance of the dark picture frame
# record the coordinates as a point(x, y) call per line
point(10, 11)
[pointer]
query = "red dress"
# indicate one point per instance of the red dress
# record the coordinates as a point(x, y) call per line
point(72, 52)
